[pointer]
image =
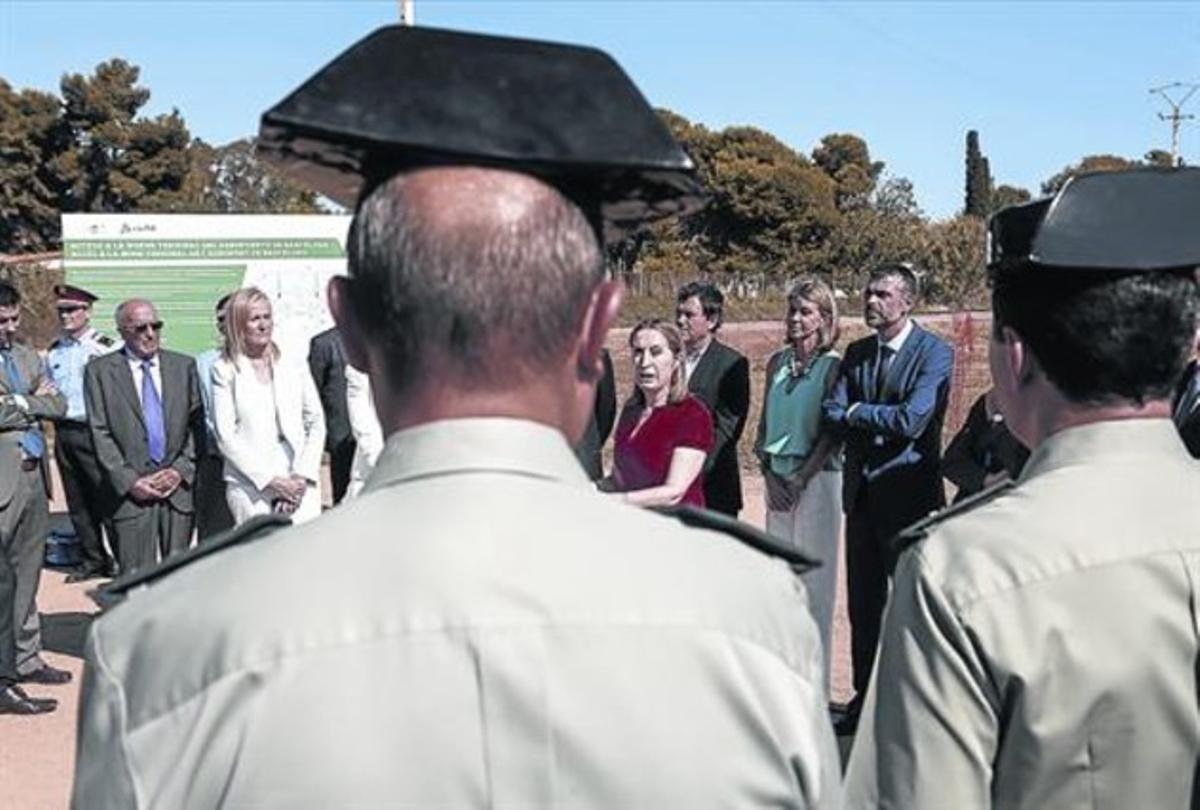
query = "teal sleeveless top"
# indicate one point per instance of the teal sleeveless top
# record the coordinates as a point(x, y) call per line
point(793, 413)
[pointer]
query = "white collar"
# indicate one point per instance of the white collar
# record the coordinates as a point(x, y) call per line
point(896, 343)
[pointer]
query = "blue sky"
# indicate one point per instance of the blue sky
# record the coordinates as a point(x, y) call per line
point(1044, 83)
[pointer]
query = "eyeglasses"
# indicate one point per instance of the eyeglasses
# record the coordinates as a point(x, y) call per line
point(67, 309)
point(143, 328)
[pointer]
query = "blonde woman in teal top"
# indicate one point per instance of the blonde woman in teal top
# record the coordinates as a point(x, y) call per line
point(801, 462)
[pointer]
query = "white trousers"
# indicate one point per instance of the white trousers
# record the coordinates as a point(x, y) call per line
point(246, 502)
point(813, 526)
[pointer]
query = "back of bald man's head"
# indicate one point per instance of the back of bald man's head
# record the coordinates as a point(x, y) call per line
point(473, 273)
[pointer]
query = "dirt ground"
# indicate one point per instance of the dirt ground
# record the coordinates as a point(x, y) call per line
point(37, 754)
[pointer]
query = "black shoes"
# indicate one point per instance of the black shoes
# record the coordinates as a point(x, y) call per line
point(47, 675)
point(82, 574)
point(13, 700)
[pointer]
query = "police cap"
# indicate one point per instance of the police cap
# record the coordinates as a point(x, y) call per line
point(69, 295)
point(1137, 220)
point(405, 97)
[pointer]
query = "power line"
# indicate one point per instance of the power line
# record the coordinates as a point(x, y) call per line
point(1183, 91)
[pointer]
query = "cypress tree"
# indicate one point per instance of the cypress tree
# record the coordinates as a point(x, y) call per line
point(979, 179)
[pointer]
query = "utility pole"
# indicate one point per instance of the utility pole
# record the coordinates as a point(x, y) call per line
point(1182, 92)
point(407, 12)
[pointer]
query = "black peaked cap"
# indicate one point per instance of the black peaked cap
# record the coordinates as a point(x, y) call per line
point(1137, 220)
point(405, 97)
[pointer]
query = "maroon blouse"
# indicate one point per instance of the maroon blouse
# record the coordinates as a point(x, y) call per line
point(642, 460)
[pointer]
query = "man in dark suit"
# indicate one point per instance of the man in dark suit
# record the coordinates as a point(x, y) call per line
point(327, 361)
point(26, 397)
point(144, 412)
point(1186, 411)
point(590, 450)
point(720, 377)
point(888, 404)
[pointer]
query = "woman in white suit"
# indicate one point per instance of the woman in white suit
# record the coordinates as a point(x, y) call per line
point(270, 427)
point(364, 424)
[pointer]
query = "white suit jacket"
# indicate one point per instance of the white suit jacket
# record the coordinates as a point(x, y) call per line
point(246, 434)
point(480, 628)
point(364, 425)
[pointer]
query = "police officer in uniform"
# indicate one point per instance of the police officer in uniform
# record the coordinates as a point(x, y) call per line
point(1041, 642)
point(77, 343)
point(487, 629)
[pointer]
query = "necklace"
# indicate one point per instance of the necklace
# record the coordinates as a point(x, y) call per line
point(796, 369)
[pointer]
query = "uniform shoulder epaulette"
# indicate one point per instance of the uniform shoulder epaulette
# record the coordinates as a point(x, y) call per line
point(105, 340)
point(752, 536)
point(921, 529)
point(255, 528)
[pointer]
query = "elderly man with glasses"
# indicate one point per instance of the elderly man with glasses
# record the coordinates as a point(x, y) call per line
point(144, 412)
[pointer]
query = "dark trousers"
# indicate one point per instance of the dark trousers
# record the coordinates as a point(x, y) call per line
point(341, 460)
point(80, 474)
point(866, 592)
point(156, 531)
point(212, 509)
point(24, 522)
point(8, 625)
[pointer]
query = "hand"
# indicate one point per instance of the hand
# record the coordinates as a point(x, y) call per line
point(145, 490)
point(278, 489)
point(779, 496)
point(45, 388)
point(299, 488)
point(991, 479)
point(281, 506)
point(166, 481)
point(286, 489)
point(797, 486)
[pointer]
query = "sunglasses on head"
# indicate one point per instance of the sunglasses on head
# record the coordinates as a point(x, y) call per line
point(67, 309)
point(143, 328)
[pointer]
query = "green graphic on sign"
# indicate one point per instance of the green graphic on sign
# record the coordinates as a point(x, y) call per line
point(183, 295)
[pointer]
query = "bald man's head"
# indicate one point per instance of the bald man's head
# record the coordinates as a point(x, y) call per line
point(477, 275)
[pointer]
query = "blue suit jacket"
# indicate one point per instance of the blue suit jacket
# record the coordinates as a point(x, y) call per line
point(893, 442)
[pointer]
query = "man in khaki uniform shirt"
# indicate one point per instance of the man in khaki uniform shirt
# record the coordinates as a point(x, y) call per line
point(480, 627)
point(1041, 643)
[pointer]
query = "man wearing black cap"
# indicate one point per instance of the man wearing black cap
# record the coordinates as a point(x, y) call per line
point(77, 343)
point(1041, 643)
point(1187, 407)
point(491, 630)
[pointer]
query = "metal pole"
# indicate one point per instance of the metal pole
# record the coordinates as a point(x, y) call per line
point(407, 12)
point(1176, 118)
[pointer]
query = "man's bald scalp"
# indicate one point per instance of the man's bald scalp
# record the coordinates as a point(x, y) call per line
point(484, 273)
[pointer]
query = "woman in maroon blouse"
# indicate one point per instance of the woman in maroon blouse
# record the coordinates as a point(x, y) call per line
point(663, 434)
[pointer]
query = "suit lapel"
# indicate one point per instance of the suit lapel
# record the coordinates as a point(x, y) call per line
point(698, 380)
point(900, 364)
point(6, 385)
point(122, 377)
point(169, 391)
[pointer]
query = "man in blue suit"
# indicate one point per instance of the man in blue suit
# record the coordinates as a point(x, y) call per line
point(888, 405)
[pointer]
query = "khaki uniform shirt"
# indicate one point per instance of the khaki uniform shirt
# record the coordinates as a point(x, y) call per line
point(480, 628)
point(1040, 650)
